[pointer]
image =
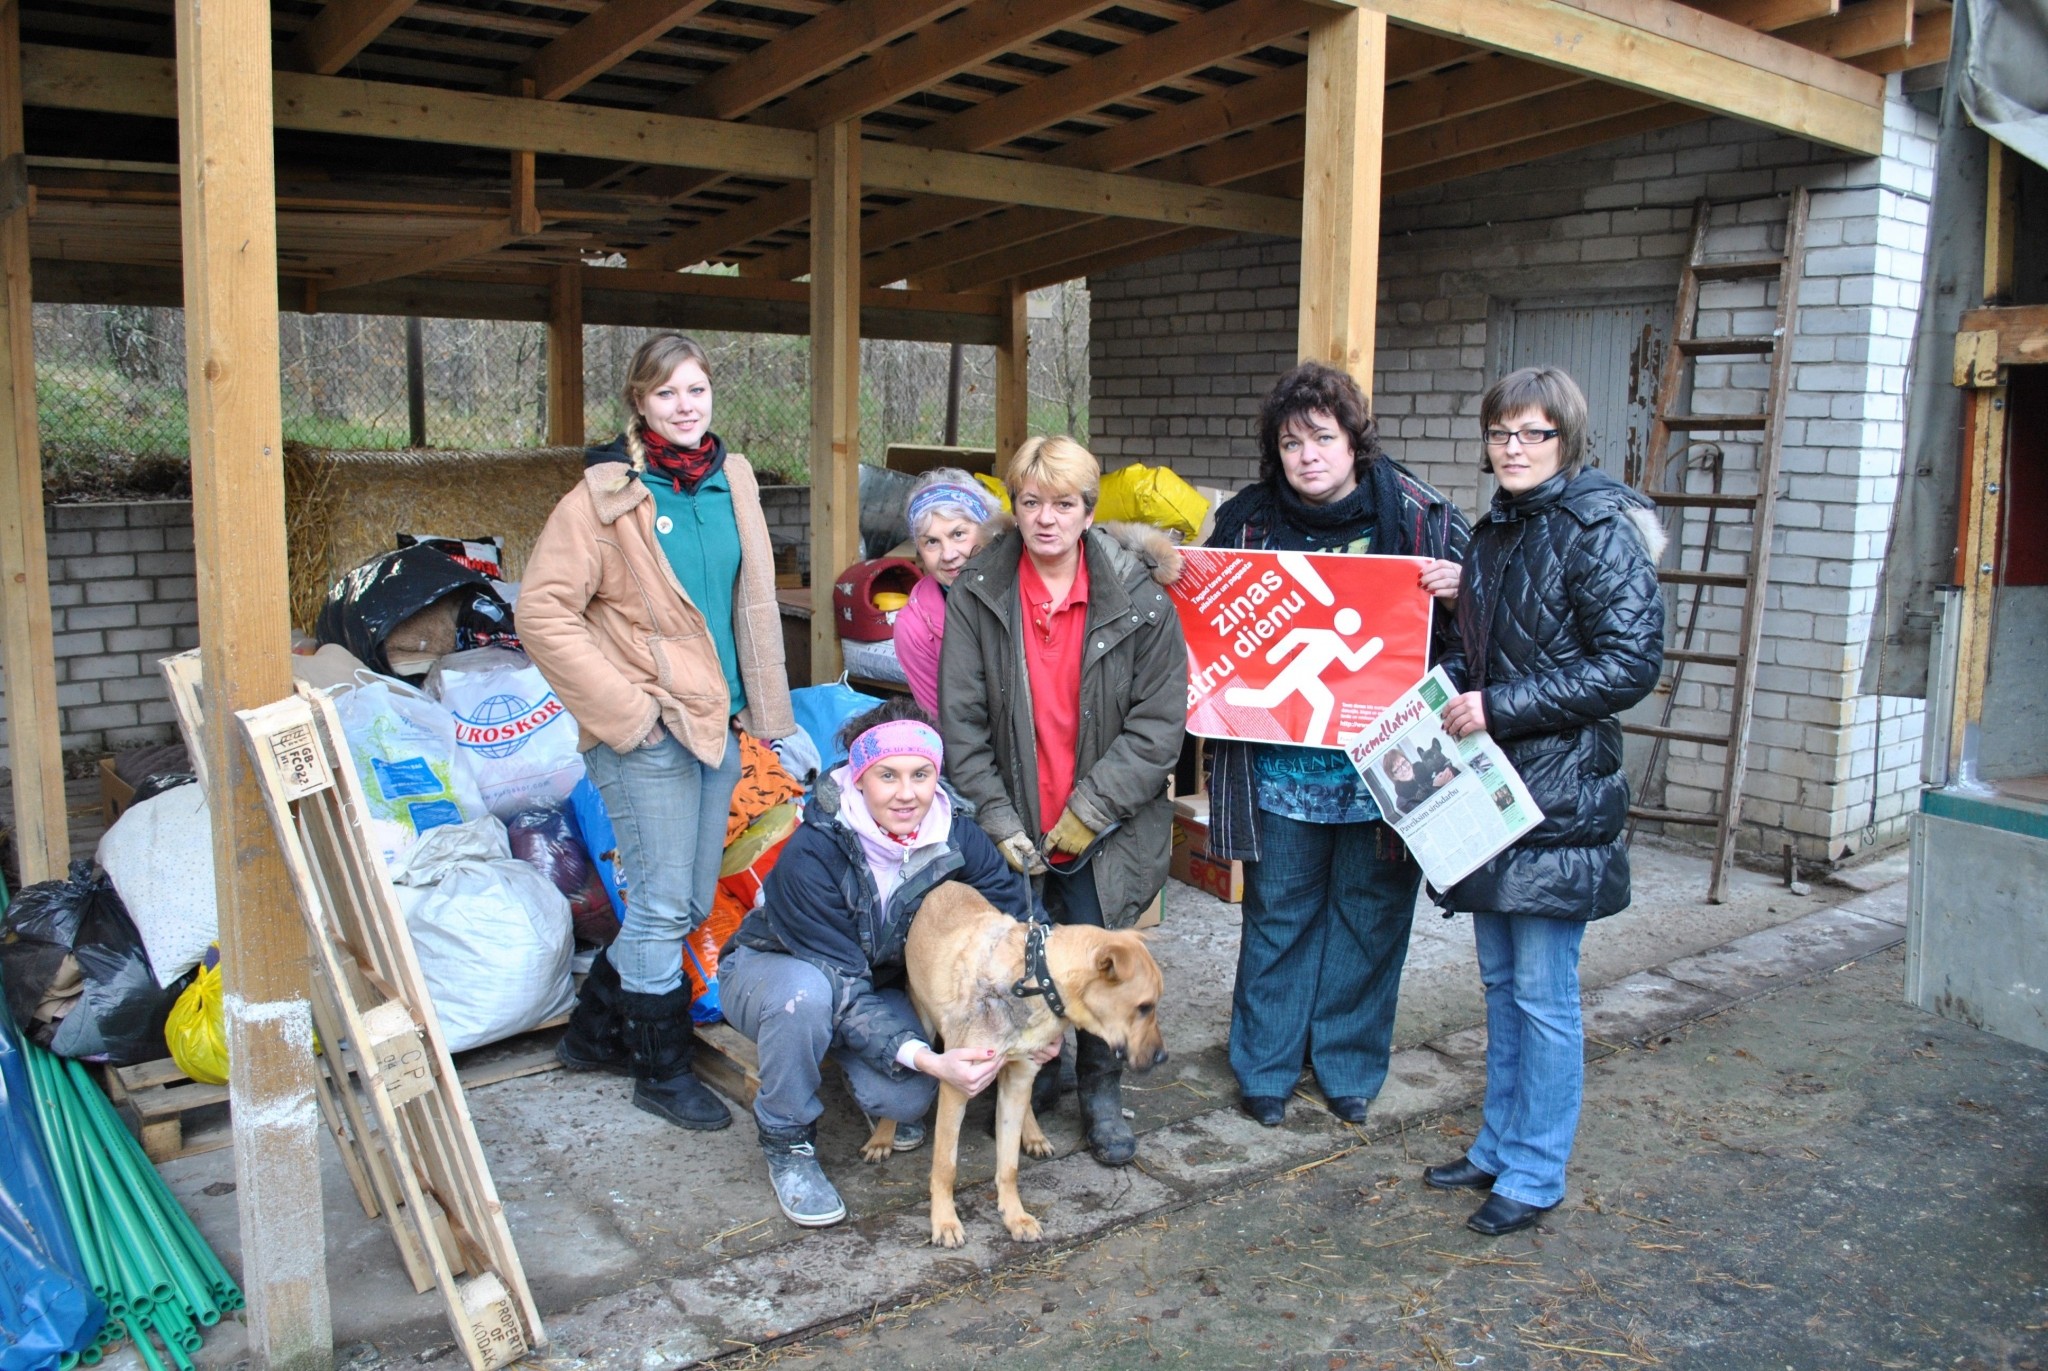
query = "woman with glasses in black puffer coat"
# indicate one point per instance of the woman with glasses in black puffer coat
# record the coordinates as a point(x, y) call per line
point(1560, 628)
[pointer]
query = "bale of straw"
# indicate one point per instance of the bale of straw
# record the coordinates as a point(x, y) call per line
point(343, 508)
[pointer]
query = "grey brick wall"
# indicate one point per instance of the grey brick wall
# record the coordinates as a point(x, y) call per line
point(122, 594)
point(1184, 347)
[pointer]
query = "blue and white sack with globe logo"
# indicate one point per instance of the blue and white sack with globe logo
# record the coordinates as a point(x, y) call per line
point(519, 738)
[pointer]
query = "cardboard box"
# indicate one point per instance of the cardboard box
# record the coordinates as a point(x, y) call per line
point(1192, 864)
point(1150, 917)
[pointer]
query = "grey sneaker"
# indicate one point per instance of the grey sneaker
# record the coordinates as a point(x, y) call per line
point(801, 1188)
point(909, 1136)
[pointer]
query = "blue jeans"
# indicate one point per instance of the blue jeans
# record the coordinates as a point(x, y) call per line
point(1535, 1053)
point(1326, 921)
point(784, 1004)
point(668, 813)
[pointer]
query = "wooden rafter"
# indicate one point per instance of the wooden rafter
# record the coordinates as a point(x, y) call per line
point(1867, 27)
point(1932, 33)
point(843, 32)
point(600, 42)
point(1675, 53)
point(69, 79)
point(340, 31)
point(1766, 16)
point(1082, 86)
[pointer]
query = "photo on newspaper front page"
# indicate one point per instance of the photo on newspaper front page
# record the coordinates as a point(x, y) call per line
point(1455, 801)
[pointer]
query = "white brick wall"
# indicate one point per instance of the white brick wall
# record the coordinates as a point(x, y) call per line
point(122, 595)
point(1178, 375)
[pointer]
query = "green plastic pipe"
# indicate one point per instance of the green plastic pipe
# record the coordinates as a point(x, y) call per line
point(137, 1167)
point(138, 1333)
point(56, 1147)
point(127, 1191)
point(97, 1229)
point(175, 1339)
point(56, 1142)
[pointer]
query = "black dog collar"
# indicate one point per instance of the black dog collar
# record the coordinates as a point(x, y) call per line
point(1036, 970)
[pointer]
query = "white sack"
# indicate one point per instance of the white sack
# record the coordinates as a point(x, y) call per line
point(416, 777)
point(493, 935)
point(518, 736)
point(159, 854)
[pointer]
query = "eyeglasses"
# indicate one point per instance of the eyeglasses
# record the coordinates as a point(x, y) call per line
point(1498, 437)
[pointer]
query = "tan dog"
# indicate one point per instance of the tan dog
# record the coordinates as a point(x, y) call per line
point(965, 957)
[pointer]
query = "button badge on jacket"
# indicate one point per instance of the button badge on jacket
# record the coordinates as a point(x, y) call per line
point(664, 524)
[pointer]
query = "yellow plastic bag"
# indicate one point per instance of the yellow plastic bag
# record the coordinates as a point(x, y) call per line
point(1152, 495)
point(197, 1030)
point(995, 488)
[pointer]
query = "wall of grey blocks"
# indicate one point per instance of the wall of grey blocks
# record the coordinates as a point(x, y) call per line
point(1183, 348)
point(122, 594)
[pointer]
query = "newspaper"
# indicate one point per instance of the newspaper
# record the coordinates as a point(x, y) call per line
point(1454, 801)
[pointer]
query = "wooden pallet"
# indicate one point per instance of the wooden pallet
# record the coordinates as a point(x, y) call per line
point(172, 1114)
point(728, 1063)
point(370, 1001)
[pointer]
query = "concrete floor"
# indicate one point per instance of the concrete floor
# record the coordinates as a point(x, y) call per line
point(649, 1247)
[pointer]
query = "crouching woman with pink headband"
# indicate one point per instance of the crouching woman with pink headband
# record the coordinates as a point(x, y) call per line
point(816, 971)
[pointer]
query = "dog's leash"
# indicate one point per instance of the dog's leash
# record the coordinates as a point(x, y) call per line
point(1036, 970)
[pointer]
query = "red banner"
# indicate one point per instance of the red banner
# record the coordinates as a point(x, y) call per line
point(1296, 647)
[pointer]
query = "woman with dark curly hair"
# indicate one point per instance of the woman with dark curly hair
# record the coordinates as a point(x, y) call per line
point(1329, 889)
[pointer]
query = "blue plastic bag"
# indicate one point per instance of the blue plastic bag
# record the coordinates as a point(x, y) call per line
point(587, 816)
point(821, 709)
point(47, 1308)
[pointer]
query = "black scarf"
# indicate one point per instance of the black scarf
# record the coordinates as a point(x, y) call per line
point(1273, 515)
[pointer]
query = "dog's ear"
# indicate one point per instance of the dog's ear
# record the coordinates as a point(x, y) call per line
point(1115, 963)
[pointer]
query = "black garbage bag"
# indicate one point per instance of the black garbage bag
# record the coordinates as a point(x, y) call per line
point(363, 607)
point(76, 976)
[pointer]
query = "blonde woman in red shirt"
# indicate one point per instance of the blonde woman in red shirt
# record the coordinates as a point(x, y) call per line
point(1064, 676)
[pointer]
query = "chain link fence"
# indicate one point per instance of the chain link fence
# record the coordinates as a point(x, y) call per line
point(110, 386)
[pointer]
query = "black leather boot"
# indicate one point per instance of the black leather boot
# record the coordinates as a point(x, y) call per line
point(595, 1040)
point(659, 1043)
point(1098, 1080)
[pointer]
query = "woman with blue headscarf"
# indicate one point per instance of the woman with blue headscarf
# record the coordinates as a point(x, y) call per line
point(946, 514)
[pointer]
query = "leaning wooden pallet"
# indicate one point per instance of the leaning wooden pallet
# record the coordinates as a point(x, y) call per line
point(353, 1134)
point(369, 976)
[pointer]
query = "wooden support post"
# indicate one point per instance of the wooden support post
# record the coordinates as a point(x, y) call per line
point(415, 381)
point(1980, 534)
point(228, 196)
point(42, 842)
point(1340, 209)
point(565, 357)
point(835, 380)
point(1013, 378)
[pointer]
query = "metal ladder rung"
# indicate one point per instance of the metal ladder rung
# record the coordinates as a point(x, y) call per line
point(1673, 816)
point(1738, 269)
point(1682, 735)
point(1714, 423)
point(1686, 654)
point(1721, 347)
point(1679, 499)
point(1704, 578)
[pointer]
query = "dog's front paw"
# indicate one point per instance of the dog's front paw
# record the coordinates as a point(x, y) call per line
point(948, 1233)
point(1024, 1228)
point(872, 1151)
point(1035, 1145)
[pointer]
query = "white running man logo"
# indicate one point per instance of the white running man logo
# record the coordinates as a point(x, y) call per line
point(1318, 649)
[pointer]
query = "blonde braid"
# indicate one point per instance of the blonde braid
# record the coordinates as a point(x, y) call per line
point(636, 446)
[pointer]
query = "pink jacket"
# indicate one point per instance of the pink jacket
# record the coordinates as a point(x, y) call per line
point(920, 628)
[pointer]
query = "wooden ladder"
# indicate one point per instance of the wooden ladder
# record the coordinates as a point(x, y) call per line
point(1665, 480)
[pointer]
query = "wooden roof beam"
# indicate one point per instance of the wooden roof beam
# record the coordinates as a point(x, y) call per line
point(1871, 26)
point(1085, 85)
point(602, 40)
point(66, 78)
point(1673, 52)
point(1136, 66)
point(850, 29)
point(1932, 34)
point(341, 30)
point(1766, 16)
